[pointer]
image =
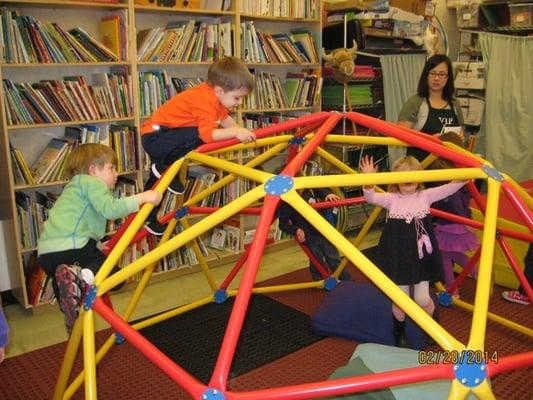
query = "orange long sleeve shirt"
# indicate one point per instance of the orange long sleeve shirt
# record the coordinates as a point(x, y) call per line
point(196, 107)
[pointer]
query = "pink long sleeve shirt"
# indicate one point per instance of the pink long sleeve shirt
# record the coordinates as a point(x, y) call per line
point(414, 205)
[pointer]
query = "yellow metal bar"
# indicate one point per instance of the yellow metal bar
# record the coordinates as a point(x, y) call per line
point(76, 383)
point(364, 140)
point(172, 313)
point(483, 391)
point(201, 259)
point(136, 224)
point(89, 363)
point(68, 359)
point(458, 391)
point(380, 178)
point(441, 336)
point(145, 279)
point(228, 166)
point(268, 141)
point(367, 225)
point(230, 178)
point(184, 237)
point(479, 317)
point(334, 161)
point(292, 286)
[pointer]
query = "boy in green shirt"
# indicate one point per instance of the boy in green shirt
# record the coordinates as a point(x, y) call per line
point(77, 223)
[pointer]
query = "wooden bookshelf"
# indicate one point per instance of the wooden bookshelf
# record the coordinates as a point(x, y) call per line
point(72, 14)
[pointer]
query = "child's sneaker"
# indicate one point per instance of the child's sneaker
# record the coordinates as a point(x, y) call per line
point(514, 296)
point(71, 289)
point(153, 225)
point(176, 186)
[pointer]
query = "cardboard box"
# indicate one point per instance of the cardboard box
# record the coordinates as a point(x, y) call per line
point(472, 109)
point(468, 15)
point(419, 7)
point(469, 75)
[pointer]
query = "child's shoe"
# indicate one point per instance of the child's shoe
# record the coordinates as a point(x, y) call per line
point(176, 186)
point(514, 296)
point(155, 227)
point(71, 286)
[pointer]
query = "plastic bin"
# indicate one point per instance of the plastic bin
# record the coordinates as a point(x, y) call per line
point(521, 14)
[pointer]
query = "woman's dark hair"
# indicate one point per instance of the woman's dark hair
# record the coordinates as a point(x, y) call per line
point(432, 62)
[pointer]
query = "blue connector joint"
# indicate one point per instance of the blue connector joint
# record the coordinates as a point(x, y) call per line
point(182, 212)
point(330, 283)
point(445, 299)
point(119, 339)
point(297, 140)
point(468, 372)
point(213, 394)
point(90, 297)
point(220, 296)
point(278, 185)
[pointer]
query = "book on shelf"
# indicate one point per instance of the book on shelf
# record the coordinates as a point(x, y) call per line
point(218, 239)
point(233, 234)
point(110, 33)
point(35, 280)
point(49, 158)
point(21, 169)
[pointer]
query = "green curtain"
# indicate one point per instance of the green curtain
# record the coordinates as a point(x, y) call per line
point(506, 134)
point(400, 80)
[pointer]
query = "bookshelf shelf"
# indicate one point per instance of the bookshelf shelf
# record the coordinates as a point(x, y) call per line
point(64, 4)
point(68, 123)
point(65, 65)
point(87, 15)
point(279, 19)
point(169, 10)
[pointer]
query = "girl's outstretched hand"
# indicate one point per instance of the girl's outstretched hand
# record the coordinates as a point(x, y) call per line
point(367, 165)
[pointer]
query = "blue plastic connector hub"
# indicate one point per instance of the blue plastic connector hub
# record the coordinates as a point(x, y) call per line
point(278, 185)
point(220, 296)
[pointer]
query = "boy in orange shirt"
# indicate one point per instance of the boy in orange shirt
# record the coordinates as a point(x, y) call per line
point(193, 117)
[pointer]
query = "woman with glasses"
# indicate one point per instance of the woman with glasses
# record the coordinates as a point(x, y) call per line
point(433, 109)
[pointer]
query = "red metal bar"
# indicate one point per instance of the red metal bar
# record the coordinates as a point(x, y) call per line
point(267, 131)
point(526, 237)
point(466, 270)
point(194, 387)
point(235, 270)
point(234, 327)
point(502, 242)
point(321, 268)
point(296, 164)
point(510, 362)
point(513, 262)
point(349, 385)
point(413, 138)
point(519, 205)
point(211, 210)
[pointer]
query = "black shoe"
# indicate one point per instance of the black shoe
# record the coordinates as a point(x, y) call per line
point(176, 186)
point(153, 225)
point(398, 331)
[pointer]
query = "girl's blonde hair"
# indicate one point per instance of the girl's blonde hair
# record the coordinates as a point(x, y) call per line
point(407, 163)
point(85, 155)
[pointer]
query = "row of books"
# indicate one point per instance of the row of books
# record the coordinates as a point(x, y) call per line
point(300, 89)
point(258, 47)
point(309, 9)
point(28, 40)
point(38, 284)
point(157, 87)
point(31, 214)
point(50, 164)
point(180, 41)
point(69, 99)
